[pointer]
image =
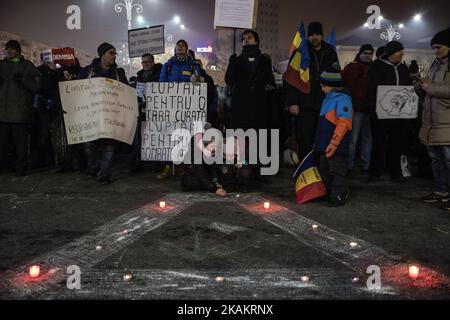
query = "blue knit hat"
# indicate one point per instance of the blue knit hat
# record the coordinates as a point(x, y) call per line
point(331, 79)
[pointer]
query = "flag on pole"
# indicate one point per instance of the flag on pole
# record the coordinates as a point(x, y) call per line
point(331, 40)
point(297, 72)
point(308, 182)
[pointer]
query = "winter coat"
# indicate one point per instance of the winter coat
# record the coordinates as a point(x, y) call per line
point(174, 71)
point(356, 77)
point(436, 108)
point(384, 73)
point(335, 123)
point(48, 94)
point(150, 76)
point(250, 91)
point(17, 98)
point(325, 59)
point(95, 71)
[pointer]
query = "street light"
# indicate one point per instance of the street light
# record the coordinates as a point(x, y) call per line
point(417, 17)
point(182, 27)
point(129, 6)
point(177, 19)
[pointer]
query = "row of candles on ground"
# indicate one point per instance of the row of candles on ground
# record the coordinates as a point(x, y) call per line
point(35, 272)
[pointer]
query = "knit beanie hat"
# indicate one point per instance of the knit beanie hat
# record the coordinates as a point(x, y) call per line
point(392, 47)
point(442, 38)
point(315, 28)
point(331, 79)
point(103, 48)
point(364, 47)
point(14, 44)
point(380, 51)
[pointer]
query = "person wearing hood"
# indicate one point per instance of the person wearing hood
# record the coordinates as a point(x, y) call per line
point(306, 107)
point(387, 134)
point(100, 153)
point(19, 82)
point(435, 131)
point(180, 68)
point(333, 136)
point(356, 76)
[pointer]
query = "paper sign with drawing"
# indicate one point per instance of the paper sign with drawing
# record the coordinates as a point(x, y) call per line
point(397, 102)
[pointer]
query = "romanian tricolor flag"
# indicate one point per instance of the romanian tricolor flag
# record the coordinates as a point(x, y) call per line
point(309, 184)
point(297, 72)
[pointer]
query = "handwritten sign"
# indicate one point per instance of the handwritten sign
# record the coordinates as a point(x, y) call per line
point(146, 40)
point(171, 106)
point(397, 102)
point(99, 108)
point(235, 14)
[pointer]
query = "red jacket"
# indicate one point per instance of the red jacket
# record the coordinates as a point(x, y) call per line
point(356, 76)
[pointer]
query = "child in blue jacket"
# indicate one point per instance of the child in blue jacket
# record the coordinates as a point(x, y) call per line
point(333, 137)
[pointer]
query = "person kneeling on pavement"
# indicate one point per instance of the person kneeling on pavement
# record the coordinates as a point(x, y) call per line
point(333, 137)
point(203, 176)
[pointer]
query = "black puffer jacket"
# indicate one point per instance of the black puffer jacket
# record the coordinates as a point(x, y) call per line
point(325, 59)
point(17, 95)
point(384, 73)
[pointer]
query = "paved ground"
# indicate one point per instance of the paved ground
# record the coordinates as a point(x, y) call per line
point(203, 247)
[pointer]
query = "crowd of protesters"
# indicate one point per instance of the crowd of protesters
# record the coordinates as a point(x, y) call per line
point(337, 119)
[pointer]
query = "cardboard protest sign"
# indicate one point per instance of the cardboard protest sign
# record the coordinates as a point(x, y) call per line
point(171, 106)
point(397, 102)
point(99, 108)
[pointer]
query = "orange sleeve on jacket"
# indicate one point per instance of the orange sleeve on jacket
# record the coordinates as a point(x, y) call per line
point(343, 126)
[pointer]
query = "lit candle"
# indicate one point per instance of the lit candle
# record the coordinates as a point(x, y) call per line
point(127, 277)
point(413, 272)
point(304, 279)
point(35, 271)
point(266, 205)
point(162, 204)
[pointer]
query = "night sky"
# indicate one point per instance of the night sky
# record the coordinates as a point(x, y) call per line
point(45, 20)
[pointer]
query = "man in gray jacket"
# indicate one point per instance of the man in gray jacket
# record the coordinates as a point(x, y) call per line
point(435, 131)
point(19, 81)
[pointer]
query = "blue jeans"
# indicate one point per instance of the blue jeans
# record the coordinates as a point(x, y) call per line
point(100, 156)
point(440, 162)
point(360, 132)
